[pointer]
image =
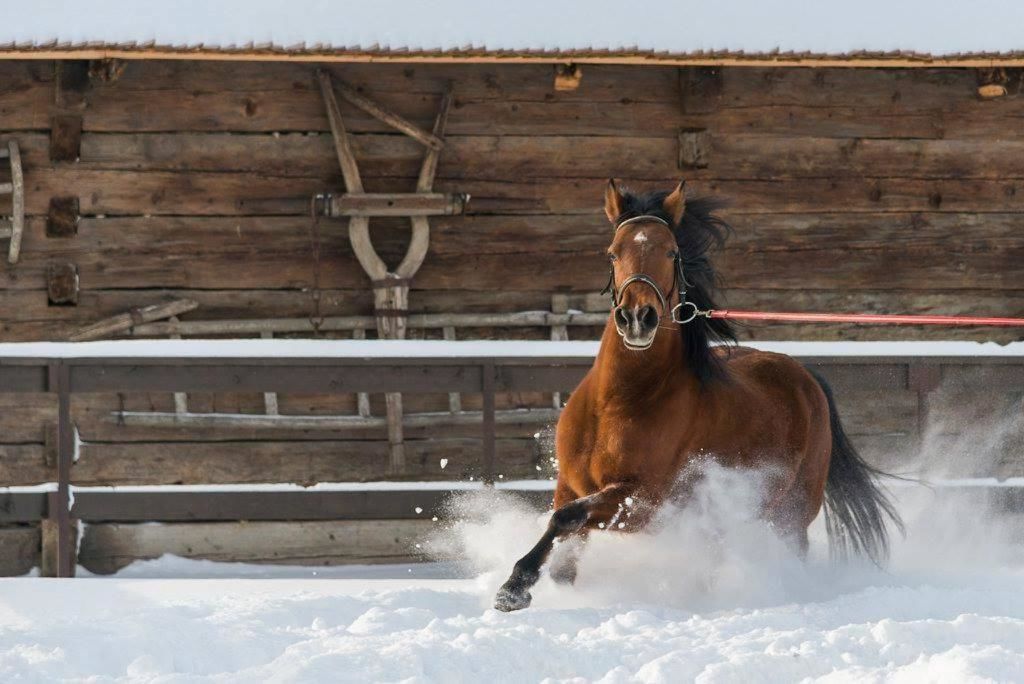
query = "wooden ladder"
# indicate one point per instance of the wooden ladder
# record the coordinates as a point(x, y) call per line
point(15, 226)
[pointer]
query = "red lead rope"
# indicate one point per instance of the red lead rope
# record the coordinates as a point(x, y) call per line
point(891, 319)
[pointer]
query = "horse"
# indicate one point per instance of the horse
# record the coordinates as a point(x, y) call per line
point(670, 388)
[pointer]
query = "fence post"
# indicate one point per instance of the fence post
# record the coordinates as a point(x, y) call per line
point(923, 378)
point(489, 437)
point(59, 502)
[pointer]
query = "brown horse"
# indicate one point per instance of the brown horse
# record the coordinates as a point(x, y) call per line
point(661, 397)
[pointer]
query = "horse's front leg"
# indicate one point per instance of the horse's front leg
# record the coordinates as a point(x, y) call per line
point(567, 520)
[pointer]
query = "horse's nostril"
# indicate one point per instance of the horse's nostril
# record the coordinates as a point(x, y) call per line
point(621, 319)
point(648, 317)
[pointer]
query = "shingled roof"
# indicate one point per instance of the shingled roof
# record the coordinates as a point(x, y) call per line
point(984, 33)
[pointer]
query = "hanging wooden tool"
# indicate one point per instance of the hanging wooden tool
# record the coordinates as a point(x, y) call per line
point(390, 288)
point(14, 228)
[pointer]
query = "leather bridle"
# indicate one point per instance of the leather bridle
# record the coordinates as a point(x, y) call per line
point(679, 278)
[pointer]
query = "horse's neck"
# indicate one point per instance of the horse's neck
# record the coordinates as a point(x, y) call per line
point(642, 375)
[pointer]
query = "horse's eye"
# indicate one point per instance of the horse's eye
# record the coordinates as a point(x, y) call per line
point(611, 257)
point(672, 255)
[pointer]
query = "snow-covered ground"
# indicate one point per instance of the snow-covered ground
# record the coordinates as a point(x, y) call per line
point(892, 629)
point(711, 596)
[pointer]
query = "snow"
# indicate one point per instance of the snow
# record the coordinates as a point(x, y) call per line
point(664, 607)
point(455, 349)
point(439, 631)
point(826, 27)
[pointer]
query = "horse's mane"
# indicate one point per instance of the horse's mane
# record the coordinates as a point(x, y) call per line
point(698, 233)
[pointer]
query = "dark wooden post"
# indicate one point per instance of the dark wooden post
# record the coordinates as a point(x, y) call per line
point(489, 436)
point(61, 540)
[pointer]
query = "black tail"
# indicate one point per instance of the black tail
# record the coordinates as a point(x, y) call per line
point(855, 508)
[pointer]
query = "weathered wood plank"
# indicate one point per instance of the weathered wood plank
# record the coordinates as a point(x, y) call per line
point(735, 156)
point(124, 322)
point(211, 194)
point(37, 321)
point(932, 181)
point(19, 550)
point(109, 547)
point(298, 462)
point(23, 464)
point(895, 89)
point(272, 175)
point(890, 103)
point(783, 251)
point(477, 81)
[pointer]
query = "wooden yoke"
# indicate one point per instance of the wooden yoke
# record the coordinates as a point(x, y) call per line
point(390, 288)
point(14, 228)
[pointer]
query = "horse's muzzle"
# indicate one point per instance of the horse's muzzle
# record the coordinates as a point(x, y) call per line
point(636, 325)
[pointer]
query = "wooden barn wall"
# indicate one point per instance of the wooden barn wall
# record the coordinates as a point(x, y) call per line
point(851, 189)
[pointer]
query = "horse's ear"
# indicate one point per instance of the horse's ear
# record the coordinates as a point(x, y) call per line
point(675, 204)
point(613, 201)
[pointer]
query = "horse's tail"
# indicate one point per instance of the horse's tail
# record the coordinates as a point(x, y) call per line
point(855, 508)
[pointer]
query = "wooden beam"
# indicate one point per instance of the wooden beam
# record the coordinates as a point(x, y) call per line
point(425, 181)
point(65, 137)
point(128, 320)
point(568, 76)
point(270, 406)
point(180, 398)
point(71, 81)
point(342, 147)
point(420, 203)
point(19, 550)
point(49, 564)
point(106, 548)
point(17, 202)
point(390, 118)
point(62, 283)
point(62, 217)
point(454, 398)
point(694, 148)
point(275, 505)
point(106, 70)
point(419, 241)
point(362, 398)
point(316, 422)
point(357, 323)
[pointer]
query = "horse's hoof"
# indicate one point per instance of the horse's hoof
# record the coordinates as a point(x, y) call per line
point(509, 600)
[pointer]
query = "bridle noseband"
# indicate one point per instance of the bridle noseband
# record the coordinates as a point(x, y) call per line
point(679, 278)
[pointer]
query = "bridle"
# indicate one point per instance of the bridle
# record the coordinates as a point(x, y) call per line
point(679, 278)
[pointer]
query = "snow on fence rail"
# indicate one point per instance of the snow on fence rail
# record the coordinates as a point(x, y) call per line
point(485, 368)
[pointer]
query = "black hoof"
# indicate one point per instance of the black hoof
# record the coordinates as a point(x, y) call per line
point(509, 600)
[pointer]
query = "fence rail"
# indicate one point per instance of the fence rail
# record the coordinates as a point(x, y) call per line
point(487, 376)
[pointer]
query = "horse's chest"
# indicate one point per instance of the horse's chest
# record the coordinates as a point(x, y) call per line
point(632, 450)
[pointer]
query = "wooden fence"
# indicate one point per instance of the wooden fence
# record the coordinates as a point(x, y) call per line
point(476, 372)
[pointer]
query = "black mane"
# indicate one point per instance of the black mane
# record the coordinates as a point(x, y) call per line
point(699, 232)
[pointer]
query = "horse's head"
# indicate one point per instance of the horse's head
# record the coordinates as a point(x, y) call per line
point(646, 267)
